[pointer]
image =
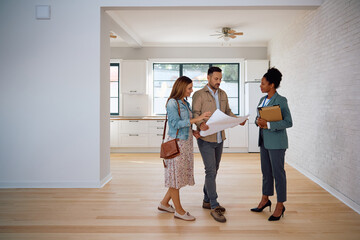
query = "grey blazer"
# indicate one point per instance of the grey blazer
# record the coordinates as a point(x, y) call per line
point(276, 137)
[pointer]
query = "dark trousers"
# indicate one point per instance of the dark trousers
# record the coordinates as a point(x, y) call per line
point(211, 155)
point(272, 167)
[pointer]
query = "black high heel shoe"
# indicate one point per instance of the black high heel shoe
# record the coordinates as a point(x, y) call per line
point(260, 209)
point(272, 218)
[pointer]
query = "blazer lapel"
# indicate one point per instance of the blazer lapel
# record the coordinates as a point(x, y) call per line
point(273, 99)
point(261, 101)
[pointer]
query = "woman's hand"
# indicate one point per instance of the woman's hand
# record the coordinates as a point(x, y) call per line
point(262, 123)
point(196, 134)
point(205, 115)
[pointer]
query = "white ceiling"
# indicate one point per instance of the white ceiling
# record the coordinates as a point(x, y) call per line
point(178, 27)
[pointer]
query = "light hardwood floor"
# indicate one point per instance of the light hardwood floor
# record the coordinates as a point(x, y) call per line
point(126, 208)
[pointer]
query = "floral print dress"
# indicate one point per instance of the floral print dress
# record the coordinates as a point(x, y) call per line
point(180, 170)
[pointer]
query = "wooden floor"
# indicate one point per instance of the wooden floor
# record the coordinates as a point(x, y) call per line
point(126, 208)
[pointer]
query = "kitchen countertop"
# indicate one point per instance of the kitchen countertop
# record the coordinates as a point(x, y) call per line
point(137, 117)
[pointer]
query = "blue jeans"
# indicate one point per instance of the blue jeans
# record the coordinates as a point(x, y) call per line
point(211, 155)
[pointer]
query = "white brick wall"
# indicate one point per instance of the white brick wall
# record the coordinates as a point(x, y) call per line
point(319, 56)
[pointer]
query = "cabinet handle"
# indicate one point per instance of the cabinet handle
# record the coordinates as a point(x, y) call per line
point(159, 135)
point(160, 121)
point(133, 91)
point(133, 120)
point(160, 128)
point(133, 135)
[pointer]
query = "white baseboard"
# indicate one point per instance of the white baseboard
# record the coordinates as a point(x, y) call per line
point(157, 150)
point(105, 180)
point(64, 184)
point(135, 150)
point(350, 203)
point(236, 150)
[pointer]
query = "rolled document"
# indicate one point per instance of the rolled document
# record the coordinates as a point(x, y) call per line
point(220, 121)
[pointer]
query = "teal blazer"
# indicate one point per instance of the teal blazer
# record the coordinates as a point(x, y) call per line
point(276, 137)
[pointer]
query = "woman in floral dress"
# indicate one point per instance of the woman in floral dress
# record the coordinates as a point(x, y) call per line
point(179, 171)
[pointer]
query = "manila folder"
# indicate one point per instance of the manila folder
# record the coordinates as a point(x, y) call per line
point(271, 113)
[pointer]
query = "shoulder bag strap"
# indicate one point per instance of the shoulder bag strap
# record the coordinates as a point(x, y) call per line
point(166, 119)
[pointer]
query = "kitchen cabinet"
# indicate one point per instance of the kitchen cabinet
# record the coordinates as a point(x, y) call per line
point(155, 133)
point(225, 145)
point(133, 140)
point(114, 133)
point(137, 135)
point(238, 136)
point(133, 126)
point(253, 138)
point(133, 133)
point(227, 140)
point(255, 69)
point(252, 98)
point(133, 76)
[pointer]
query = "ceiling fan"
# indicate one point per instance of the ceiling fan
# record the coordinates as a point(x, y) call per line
point(112, 35)
point(227, 33)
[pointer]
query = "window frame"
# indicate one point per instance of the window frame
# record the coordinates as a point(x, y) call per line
point(113, 64)
point(214, 61)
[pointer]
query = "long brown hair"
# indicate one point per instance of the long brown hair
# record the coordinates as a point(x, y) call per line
point(179, 88)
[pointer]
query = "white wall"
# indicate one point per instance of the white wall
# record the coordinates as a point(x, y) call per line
point(319, 58)
point(104, 142)
point(50, 95)
point(188, 52)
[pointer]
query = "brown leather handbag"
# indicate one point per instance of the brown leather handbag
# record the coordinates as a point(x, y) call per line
point(170, 149)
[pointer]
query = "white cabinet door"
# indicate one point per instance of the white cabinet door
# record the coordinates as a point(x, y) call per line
point(195, 144)
point(133, 76)
point(253, 138)
point(133, 140)
point(226, 142)
point(238, 136)
point(114, 133)
point(253, 95)
point(133, 126)
point(156, 126)
point(255, 69)
point(133, 133)
point(155, 140)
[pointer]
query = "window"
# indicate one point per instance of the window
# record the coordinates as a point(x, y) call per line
point(114, 88)
point(165, 74)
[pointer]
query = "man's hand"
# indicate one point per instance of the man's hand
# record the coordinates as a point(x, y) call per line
point(204, 127)
point(243, 123)
point(196, 134)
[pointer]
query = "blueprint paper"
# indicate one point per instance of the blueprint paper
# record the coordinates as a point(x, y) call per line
point(220, 121)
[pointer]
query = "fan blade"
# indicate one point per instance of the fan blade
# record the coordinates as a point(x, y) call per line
point(232, 36)
point(218, 34)
point(221, 37)
point(231, 31)
point(238, 33)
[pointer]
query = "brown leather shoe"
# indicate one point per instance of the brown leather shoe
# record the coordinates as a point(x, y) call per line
point(217, 214)
point(206, 205)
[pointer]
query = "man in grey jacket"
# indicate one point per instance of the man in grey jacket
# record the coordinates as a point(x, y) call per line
point(210, 98)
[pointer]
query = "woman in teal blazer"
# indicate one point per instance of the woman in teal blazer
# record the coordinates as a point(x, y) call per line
point(273, 143)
